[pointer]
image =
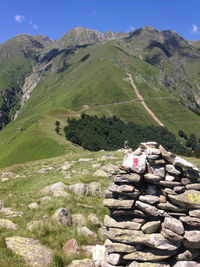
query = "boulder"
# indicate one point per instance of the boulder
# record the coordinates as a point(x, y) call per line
point(33, 206)
point(170, 168)
point(71, 247)
point(94, 220)
point(180, 162)
point(63, 217)
point(50, 189)
point(187, 254)
point(146, 208)
point(94, 189)
point(127, 178)
point(174, 225)
point(8, 224)
point(79, 219)
point(31, 250)
point(192, 239)
point(111, 222)
point(189, 199)
point(150, 227)
point(79, 189)
point(61, 194)
point(149, 199)
point(83, 230)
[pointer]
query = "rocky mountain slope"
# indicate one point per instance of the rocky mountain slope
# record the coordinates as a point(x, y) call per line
point(43, 81)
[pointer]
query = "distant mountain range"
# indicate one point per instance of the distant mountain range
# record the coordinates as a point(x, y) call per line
point(42, 81)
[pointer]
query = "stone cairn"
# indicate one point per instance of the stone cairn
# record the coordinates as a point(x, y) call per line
point(154, 208)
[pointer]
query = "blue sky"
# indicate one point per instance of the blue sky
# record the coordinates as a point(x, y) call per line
point(55, 17)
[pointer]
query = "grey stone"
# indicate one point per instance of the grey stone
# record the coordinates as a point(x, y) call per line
point(152, 178)
point(31, 250)
point(94, 189)
point(158, 171)
point(127, 178)
point(149, 199)
point(146, 208)
point(114, 258)
point(179, 189)
point(170, 168)
point(169, 157)
point(120, 188)
point(180, 162)
point(79, 189)
point(189, 199)
point(185, 181)
point(170, 235)
point(83, 230)
point(151, 227)
point(33, 206)
point(9, 212)
point(187, 254)
point(170, 184)
point(63, 217)
point(138, 237)
point(147, 264)
point(118, 204)
point(192, 239)
point(94, 220)
point(100, 173)
point(193, 186)
point(85, 159)
point(8, 224)
point(186, 264)
point(61, 194)
point(82, 263)
point(79, 219)
point(50, 189)
point(120, 247)
point(169, 178)
point(174, 225)
point(191, 221)
point(194, 213)
point(110, 222)
point(33, 225)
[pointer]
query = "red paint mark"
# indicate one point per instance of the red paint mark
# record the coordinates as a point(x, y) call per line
point(135, 162)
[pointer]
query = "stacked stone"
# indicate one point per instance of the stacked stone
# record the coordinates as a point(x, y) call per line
point(154, 211)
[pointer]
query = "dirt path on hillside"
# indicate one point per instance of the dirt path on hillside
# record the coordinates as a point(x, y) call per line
point(143, 103)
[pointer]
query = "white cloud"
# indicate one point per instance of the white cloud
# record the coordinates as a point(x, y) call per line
point(19, 18)
point(195, 29)
point(35, 26)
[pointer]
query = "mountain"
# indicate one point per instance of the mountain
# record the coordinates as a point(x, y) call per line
point(43, 81)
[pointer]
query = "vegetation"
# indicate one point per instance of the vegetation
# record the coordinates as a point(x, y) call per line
point(95, 133)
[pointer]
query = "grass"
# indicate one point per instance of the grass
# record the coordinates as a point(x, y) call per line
point(25, 185)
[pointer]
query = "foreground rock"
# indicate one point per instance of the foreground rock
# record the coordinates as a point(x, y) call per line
point(154, 204)
point(31, 250)
point(62, 216)
point(50, 189)
point(8, 224)
point(82, 263)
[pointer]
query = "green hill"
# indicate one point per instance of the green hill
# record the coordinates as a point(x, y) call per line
point(87, 71)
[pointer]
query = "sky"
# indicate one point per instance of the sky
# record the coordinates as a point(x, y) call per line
point(56, 17)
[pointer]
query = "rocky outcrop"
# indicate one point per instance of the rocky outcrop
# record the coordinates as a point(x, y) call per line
point(154, 204)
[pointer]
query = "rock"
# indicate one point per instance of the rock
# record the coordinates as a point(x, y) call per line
point(114, 258)
point(61, 194)
point(185, 181)
point(150, 227)
point(71, 247)
point(96, 165)
point(146, 208)
point(180, 162)
point(169, 157)
point(100, 173)
point(50, 189)
point(98, 256)
point(158, 171)
point(152, 178)
point(147, 264)
point(120, 247)
point(83, 230)
point(186, 264)
point(135, 163)
point(118, 204)
point(170, 184)
point(63, 217)
point(179, 189)
point(189, 199)
point(170, 168)
point(169, 207)
point(169, 178)
point(192, 174)
point(33, 206)
point(149, 199)
point(138, 237)
point(187, 255)
point(9, 212)
point(192, 239)
point(191, 221)
point(94, 220)
point(111, 222)
point(45, 198)
point(193, 186)
point(4, 180)
point(79, 219)
point(82, 263)
point(120, 188)
point(94, 189)
point(102, 233)
point(149, 255)
point(174, 225)
point(79, 189)
point(33, 225)
point(127, 178)
point(194, 213)
point(170, 235)
point(8, 224)
point(85, 159)
point(31, 250)
point(65, 167)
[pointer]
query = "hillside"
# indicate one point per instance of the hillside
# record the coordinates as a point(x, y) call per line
point(88, 71)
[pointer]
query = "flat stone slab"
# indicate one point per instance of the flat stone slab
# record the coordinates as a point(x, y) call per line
point(187, 264)
point(110, 222)
point(149, 255)
point(31, 250)
point(127, 178)
point(50, 189)
point(138, 237)
point(147, 264)
point(189, 199)
point(119, 247)
point(82, 263)
point(8, 224)
point(180, 162)
point(192, 239)
point(118, 204)
point(9, 212)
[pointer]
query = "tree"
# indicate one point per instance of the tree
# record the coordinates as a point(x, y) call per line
point(57, 123)
point(57, 129)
